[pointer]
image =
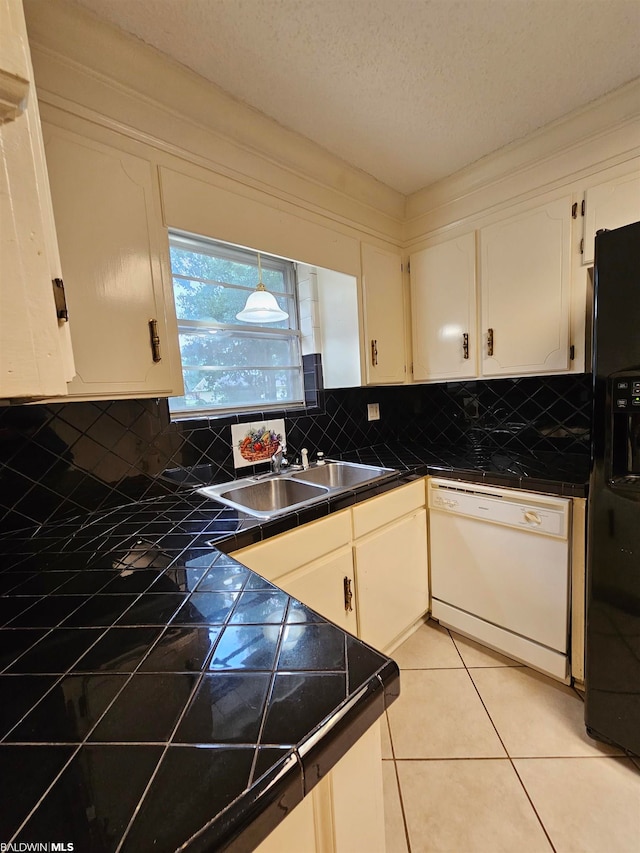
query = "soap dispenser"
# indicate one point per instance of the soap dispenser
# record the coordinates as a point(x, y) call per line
point(304, 453)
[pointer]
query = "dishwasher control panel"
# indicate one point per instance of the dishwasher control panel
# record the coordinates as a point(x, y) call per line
point(499, 506)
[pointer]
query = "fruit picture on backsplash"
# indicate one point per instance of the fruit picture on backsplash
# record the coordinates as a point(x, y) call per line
point(256, 442)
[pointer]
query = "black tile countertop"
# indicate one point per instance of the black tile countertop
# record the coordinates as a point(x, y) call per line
point(565, 474)
point(157, 693)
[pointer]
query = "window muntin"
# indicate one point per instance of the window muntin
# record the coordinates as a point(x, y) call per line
point(229, 366)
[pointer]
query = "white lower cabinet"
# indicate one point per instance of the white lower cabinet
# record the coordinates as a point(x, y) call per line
point(392, 579)
point(344, 813)
point(366, 569)
point(328, 586)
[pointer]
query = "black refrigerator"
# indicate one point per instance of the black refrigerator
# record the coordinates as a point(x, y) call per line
point(612, 674)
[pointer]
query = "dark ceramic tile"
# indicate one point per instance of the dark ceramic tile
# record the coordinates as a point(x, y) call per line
point(206, 608)
point(11, 607)
point(224, 578)
point(153, 609)
point(320, 755)
point(256, 581)
point(389, 677)
point(48, 612)
point(93, 800)
point(181, 649)
point(248, 647)
point(164, 823)
point(199, 558)
point(13, 643)
point(132, 581)
point(300, 702)
point(227, 708)
point(267, 758)
point(69, 711)
point(312, 647)
point(100, 610)
point(57, 651)
point(362, 663)
point(86, 583)
point(120, 650)
point(146, 710)
point(258, 607)
point(179, 578)
point(10, 581)
point(299, 613)
point(27, 771)
point(312, 513)
point(242, 539)
point(19, 694)
point(250, 819)
point(44, 583)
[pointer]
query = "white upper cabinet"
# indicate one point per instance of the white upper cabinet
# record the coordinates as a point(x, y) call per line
point(525, 284)
point(35, 351)
point(112, 246)
point(383, 298)
point(610, 205)
point(443, 310)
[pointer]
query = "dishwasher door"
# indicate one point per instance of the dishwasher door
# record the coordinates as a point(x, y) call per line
point(500, 569)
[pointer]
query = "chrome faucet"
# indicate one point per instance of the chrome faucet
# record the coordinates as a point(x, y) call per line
point(276, 460)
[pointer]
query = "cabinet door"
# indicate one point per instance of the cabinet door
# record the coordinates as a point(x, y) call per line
point(35, 351)
point(392, 579)
point(107, 218)
point(383, 316)
point(443, 310)
point(525, 280)
point(610, 205)
point(325, 585)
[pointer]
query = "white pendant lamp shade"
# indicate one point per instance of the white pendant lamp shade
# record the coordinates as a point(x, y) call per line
point(261, 306)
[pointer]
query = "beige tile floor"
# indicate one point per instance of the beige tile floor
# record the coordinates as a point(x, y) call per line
point(482, 755)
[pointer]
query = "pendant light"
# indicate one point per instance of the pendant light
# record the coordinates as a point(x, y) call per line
point(261, 306)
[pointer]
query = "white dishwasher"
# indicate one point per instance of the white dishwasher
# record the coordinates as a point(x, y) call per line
point(500, 570)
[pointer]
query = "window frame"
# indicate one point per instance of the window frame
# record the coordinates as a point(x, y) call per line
point(232, 252)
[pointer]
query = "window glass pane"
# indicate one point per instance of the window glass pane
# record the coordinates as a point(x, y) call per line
point(229, 365)
point(217, 348)
point(217, 304)
point(226, 389)
point(226, 270)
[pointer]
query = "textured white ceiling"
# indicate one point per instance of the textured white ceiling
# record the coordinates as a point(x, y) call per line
point(407, 90)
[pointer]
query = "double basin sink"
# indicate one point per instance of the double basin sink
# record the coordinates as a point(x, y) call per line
point(269, 495)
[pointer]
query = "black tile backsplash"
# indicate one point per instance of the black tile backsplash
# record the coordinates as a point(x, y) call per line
point(61, 460)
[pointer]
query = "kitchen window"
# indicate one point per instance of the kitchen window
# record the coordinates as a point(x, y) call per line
point(230, 366)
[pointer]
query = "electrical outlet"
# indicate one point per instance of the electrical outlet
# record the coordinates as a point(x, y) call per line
point(373, 411)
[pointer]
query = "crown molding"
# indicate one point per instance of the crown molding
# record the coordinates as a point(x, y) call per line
point(58, 28)
point(570, 133)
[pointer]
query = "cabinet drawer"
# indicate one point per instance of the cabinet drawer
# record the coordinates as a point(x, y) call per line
point(283, 554)
point(376, 512)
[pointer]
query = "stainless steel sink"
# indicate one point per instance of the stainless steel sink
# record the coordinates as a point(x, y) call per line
point(341, 475)
point(270, 495)
point(266, 498)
